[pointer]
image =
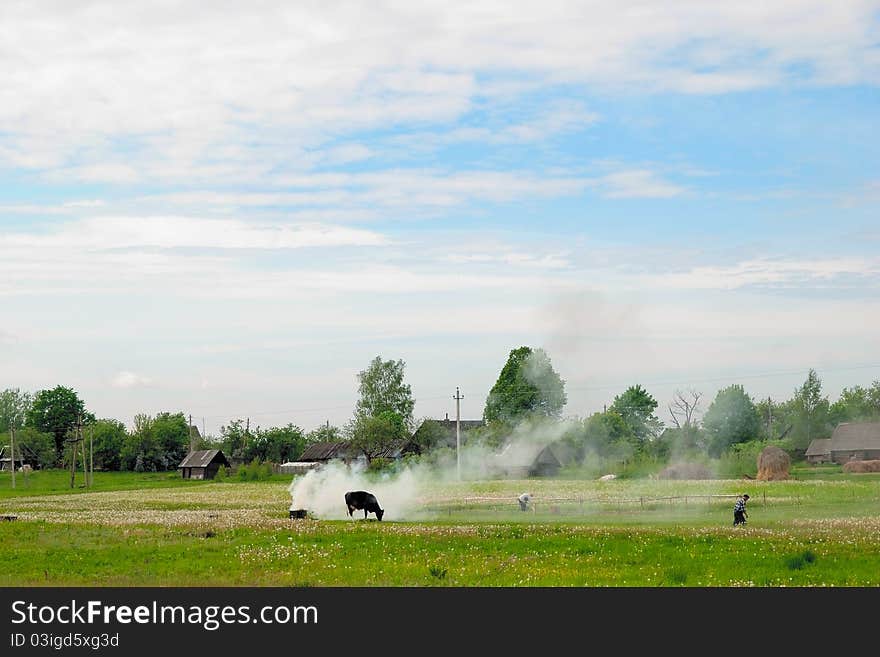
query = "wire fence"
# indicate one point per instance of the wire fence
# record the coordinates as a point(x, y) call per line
point(555, 505)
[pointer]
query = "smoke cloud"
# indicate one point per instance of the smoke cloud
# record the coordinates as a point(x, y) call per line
point(403, 494)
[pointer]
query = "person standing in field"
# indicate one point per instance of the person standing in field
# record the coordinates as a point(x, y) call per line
point(739, 510)
point(524, 501)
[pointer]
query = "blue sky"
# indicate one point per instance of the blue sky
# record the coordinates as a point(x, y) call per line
point(231, 213)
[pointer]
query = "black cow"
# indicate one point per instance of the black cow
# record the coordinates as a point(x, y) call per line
point(361, 499)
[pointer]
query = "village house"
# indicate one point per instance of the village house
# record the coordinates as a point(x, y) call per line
point(202, 464)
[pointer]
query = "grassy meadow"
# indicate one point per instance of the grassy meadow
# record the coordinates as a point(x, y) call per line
point(158, 530)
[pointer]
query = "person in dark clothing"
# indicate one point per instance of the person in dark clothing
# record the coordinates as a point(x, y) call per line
point(739, 510)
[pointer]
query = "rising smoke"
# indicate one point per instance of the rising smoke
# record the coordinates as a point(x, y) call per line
point(403, 494)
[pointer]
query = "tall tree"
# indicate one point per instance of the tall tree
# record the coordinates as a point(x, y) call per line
point(57, 411)
point(730, 419)
point(108, 438)
point(527, 386)
point(636, 406)
point(373, 434)
point(381, 389)
point(811, 411)
point(139, 452)
point(14, 406)
point(171, 433)
point(856, 405)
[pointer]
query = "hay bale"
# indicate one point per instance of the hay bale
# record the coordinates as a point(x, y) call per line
point(862, 466)
point(773, 464)
point(685, 471)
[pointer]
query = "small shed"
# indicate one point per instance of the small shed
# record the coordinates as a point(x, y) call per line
point(6, 460)
point(546, 464)
point(819, 451)
point(202, 464)
point(855, 441)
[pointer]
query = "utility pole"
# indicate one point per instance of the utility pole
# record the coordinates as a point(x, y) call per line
point(12, 447)
point(82, 447)
point(91, 456)
point(189, 428)
point(458, 397)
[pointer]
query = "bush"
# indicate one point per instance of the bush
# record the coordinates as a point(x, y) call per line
point(222, 472)
point(255, 471)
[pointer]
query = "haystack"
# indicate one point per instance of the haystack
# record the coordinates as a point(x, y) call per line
point(773, 464)
point(862, 466)
point(685, 471)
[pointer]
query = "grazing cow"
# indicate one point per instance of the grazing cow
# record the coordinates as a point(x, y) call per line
point(361, 499)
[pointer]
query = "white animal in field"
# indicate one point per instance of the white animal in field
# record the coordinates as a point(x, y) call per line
point(607, 477)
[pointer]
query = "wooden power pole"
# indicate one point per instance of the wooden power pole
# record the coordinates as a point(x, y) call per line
point(12, 447)
point(458, 397)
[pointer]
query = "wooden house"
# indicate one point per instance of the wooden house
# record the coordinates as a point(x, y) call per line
point(202, 464)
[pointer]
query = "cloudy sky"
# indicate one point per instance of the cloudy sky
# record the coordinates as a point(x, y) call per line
point(230, 211)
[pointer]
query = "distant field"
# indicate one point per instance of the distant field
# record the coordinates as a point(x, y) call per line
point(57, 482)
point(805, 532)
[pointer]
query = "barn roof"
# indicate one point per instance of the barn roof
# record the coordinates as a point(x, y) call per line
point(856, 435)
point(398, 448)
point(819, 447)
point(203, 458)
point(323, 451)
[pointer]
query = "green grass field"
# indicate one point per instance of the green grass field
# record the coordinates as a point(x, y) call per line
point(156, 530)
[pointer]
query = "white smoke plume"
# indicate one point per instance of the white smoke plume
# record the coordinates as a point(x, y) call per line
point(403, 495)
point(322, 491)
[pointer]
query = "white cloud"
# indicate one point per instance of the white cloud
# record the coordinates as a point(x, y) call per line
point(637, 184)
point(127, 379)
point(163, 92)
point(777, 273)
point(187, 232)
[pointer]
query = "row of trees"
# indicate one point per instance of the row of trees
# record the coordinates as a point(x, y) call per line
point(46, 422)
point(527, 389)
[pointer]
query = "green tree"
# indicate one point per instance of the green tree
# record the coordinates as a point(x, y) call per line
point(14, 407)
point(381, 389)
point(140, 452)
point(171, 433)
point(276, 444)
point(326, 433)
point(373, 434)
point(108, 438)
point(731, 418)
point(527, 386)
point(636, 406)
point(811, 412)
point(856, 404)
point(234, 439)
point(57, 411)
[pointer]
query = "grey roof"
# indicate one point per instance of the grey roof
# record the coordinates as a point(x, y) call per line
point(856, 435)
point(819, 447)
point(398, 448)
point(323, 451)
point(202, 458)
point(546, 457)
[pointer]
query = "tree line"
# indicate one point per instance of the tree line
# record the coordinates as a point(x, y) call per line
point(528, 389)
